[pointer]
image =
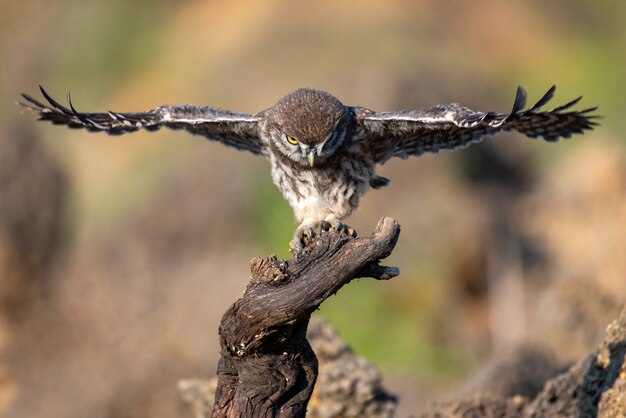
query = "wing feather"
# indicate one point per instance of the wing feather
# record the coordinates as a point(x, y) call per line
point(443, 127)
point(238, 130)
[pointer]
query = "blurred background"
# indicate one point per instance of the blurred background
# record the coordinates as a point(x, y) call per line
point(118, 255)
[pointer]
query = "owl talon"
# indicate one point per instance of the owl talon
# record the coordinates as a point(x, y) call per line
point(302, 236)
point(297, 244)
point(325, 226)
point(339, 226)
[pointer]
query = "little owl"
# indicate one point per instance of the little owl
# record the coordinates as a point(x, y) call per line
point(323, 154)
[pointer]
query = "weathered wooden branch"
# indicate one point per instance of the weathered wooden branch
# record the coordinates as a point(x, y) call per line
point(267, 367)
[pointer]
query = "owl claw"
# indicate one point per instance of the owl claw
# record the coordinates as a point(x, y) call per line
point(302, 236)
point(295, 246)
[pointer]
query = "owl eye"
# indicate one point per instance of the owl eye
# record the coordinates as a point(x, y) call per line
point(292, 140)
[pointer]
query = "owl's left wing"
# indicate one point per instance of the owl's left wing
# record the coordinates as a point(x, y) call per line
point(238, 130)
point(411, 133)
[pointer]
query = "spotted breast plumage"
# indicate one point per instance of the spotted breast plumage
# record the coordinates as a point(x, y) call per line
point(323, 154)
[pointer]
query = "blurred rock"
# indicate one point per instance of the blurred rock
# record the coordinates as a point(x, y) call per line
point(347, 385)
point(519, 371)
point(478, 407)
point(199, 395)
point(594, 387)
point(33, 190)
point(578, 214)
point(567, 229)
point(124, 324)
point(33, 197)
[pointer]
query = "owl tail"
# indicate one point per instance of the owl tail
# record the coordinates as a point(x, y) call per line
point(378, 182)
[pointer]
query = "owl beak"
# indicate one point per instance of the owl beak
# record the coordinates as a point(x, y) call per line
point(311, 158)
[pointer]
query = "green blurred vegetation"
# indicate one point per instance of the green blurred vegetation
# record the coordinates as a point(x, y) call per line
point(393, 328)
point(245, 55)
point(275, 231)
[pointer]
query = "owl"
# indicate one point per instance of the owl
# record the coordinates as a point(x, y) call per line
point(323, 154)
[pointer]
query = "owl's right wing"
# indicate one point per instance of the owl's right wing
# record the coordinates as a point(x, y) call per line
point(238, 130)
point(411, 133)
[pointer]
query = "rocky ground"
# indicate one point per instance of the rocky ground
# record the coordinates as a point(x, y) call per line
point(595, 386)
point(515, 387)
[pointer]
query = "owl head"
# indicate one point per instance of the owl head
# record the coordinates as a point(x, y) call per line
point(307, 126)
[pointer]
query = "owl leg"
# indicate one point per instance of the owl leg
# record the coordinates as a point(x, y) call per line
point(303, 235)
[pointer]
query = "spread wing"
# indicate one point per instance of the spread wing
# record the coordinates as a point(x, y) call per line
point(406, 133)
point(238, 130)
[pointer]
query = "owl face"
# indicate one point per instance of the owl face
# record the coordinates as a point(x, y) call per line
point(307, 126)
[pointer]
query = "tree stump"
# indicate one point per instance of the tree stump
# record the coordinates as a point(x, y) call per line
point(267, 367)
